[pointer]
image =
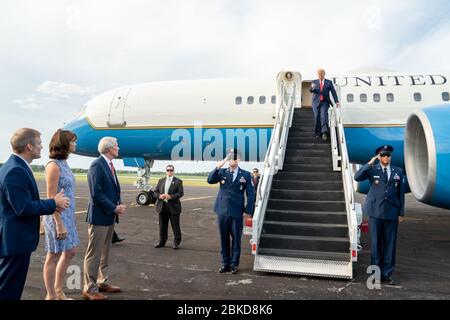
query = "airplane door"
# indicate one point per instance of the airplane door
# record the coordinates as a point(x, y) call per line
point(116, 116)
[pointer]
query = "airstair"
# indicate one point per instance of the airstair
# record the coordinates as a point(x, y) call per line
point(306, 220)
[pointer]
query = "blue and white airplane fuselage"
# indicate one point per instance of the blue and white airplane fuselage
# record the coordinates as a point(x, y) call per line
point(200, 119)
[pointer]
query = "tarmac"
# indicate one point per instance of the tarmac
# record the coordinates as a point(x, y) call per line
point(190, 273)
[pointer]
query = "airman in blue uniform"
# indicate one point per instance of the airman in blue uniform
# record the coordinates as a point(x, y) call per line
point(230, 207)
point(384, 205)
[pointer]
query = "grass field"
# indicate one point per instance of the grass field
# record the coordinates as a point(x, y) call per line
point(129, 179)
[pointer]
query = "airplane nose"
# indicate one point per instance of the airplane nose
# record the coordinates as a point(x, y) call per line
point(83, 130)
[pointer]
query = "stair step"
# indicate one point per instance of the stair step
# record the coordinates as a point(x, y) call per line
point(322, 255)
point(304, 167)
point(305, 229)
point(308, 160)
point(309, 139)
point(305, 134)
point(307, 243)
point(309, 176)
point(307, 185)
point(303, 110)
point(307, 205)
point(317, 195)
point(302, 122)
point(308, 146)
point(304, 128)
point(338, 217)
point(326, 153)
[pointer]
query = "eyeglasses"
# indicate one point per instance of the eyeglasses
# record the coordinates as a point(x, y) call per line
point(169, 170)
point(385, 155)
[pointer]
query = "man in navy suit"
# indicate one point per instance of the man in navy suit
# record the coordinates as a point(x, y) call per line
point(104, 207)
point(321, 89)
point(230, 207)
point(20, 208)
point(385, 204)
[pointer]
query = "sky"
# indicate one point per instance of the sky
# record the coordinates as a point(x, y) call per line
point(56, 55)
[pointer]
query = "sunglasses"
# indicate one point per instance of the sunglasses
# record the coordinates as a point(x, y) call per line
point(169, 170)
point(385, 155)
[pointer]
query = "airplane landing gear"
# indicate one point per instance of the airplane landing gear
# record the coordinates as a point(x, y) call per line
point(146, 196)
point(143, 198)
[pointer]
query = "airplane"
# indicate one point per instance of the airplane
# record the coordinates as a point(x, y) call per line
point(199, 120)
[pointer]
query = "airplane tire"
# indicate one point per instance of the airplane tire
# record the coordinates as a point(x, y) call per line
point(143, 198)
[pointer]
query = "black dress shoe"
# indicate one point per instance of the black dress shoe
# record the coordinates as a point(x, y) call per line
point(324, 137)
point(234, 270)
point(117, 239)
point(160, 245)
point(176, 246)
point(388, 281)
point(224, 269)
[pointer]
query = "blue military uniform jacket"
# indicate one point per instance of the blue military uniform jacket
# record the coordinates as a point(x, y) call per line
point(327, 88)
point(385, 200)
point(104, 190)
point(20, 208)
point(230, 200)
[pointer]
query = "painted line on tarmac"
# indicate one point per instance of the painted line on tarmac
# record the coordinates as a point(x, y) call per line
point(198, 198)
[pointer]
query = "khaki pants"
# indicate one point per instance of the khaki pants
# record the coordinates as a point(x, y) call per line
point(97, 255)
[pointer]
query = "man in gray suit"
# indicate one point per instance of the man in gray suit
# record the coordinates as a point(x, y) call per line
point(168, 191)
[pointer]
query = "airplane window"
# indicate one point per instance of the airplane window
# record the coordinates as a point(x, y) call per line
point(417, 96)
point(350, 97)
point(445, 96)
point(363, 97)
point(262, 99)
point(273, 99)
point(390, 97)
point(376, 97)
point(238, 100)
point(250, 100)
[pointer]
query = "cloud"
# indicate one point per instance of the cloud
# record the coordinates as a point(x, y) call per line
point(51, 93)
point(54, 48)
point(29, 103)
point(64, 90)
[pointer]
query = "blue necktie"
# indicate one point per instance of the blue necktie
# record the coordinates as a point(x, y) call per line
point(385, 175)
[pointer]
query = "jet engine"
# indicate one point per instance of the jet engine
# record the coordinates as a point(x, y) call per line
point(427, 155)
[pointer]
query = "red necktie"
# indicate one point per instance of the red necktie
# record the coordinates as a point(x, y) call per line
point(112, 169)
point(321, 89)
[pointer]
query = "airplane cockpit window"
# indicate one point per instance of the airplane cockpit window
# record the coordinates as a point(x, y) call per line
point(262, 99)
point(390, 97)
point(417, 96)
point(376, 97)
point(250, 100)
point(350, 97)
point(445, 96)
point(238, 100)
point(363, 97)
point(273, 99)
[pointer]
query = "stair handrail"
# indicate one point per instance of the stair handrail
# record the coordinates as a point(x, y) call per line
point(339, 144)
point(274, 158)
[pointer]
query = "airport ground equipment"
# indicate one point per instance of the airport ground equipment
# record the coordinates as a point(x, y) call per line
point(306, 220)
